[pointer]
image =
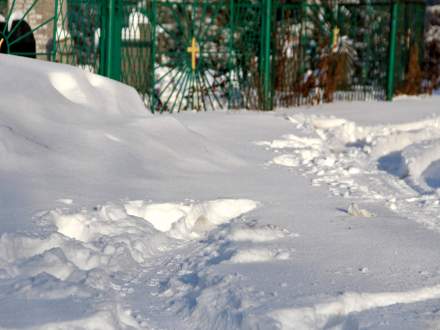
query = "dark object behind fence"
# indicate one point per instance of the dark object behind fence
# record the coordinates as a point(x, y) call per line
point(17, 39)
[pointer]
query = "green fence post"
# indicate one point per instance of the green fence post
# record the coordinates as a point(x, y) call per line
point(421, 12)
point(103, 12)
point(153, 56)
point(113, 40)
point(55, 33)
point(392, 52)
point(267, 93)
point(303, 37)
point(231, 51)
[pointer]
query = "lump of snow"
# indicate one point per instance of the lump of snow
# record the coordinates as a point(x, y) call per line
point(318, 316)
point(286, 160)
point(161, 216)
point(188, 221)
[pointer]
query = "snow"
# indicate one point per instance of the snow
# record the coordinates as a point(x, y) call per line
point(257, 234)
point(306, 218)
point(185, 221)
point(319, 316)
point(135, 22)
point(258, 255)
point(343, 149)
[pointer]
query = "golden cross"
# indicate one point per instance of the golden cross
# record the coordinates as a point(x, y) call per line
point(193, 50)
point(336, 32)
point(1, 43)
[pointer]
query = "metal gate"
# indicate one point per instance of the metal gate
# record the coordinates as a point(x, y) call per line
point(191, 52)
point(203, 56)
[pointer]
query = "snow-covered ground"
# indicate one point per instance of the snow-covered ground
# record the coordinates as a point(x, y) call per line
point(111, 218)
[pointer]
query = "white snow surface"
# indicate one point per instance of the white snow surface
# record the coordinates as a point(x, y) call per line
point(306, 218)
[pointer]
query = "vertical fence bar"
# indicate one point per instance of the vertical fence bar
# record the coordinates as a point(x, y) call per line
point(231, 50)
point(392, 51)
point(109, 22)
point(113, 40)
point(55, 33)
point(117, 47)
point(303, 37)
point(420, 17)
point(153, 56)
point(102, 5)
point(267, 93)
point(262, 40)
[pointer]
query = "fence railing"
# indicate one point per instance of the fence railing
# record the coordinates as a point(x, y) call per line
point(256, 54)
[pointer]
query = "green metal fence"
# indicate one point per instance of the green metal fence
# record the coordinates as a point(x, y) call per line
point(337, 50)
point(255, 54)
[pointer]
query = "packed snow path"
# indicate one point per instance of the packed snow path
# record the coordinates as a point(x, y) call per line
point(115, 219)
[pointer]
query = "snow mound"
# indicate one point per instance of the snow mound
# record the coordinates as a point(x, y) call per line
point(85, 254)
point(65, 131)
point(50, 90)
point(74, 263)
point(335, 312)
point(398, 164)
point(420, 164)
point(104, 237)
point(188, 221)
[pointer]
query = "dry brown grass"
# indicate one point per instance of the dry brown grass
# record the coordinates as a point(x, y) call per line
point(414, 75)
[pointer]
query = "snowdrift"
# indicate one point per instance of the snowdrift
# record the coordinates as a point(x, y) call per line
point(69, 142)
point(64, 132)
point(397, 163)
